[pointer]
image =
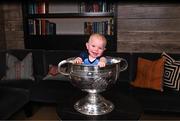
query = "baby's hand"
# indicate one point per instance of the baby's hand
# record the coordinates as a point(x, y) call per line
point(101, 64)
point(78, 60)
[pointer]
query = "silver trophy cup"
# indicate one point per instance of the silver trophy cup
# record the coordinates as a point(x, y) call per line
point(93, 79)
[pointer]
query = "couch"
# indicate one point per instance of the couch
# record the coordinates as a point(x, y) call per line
point(154, 100)
point(15, 93)
point(40, 81)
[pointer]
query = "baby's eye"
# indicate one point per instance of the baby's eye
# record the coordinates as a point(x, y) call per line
point(100, 48)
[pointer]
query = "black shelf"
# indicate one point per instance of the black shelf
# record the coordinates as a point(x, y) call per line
point(72, 15)
point(56, 42)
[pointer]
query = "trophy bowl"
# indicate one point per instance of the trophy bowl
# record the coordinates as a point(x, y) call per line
point(93, 80)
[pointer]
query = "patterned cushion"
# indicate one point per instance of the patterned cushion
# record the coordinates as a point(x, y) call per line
point(149, 74)
point(171, 72)
point(17, 69)
point(53, 74)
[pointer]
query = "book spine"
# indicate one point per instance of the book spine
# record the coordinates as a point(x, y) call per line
point(43, 26)
point(31, 29)
point(52, 28)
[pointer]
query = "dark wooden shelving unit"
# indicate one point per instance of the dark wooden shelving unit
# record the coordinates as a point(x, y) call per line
point(69, 41)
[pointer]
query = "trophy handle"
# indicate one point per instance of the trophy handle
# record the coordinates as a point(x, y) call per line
point(124, 65)
point(60, 65)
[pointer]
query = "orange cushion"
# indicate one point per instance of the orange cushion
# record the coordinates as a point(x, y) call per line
point(149, 74)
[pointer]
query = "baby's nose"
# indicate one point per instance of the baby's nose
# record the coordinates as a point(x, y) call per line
point(96, 49)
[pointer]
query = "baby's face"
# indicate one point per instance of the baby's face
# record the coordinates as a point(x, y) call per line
point(95, 47)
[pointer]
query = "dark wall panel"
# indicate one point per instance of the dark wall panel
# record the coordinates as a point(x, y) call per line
point(150, 27)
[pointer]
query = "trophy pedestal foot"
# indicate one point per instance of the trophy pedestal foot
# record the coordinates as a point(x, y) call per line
point(93, 104)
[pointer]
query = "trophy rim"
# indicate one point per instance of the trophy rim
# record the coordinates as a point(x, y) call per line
point(111, 61)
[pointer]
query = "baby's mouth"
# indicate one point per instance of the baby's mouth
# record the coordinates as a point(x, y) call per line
point(94, 53)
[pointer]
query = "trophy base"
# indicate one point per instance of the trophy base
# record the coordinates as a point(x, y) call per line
point(93, 104)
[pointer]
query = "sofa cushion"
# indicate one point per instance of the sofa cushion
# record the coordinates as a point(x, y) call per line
point(134, 60)
point(149, 74)
point(19, 69)
point(156, 101)
point(53, 74)
point(12, 100)
point(38, 60)
point(171, 72)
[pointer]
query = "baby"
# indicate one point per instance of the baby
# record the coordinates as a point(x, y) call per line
point(96, 45)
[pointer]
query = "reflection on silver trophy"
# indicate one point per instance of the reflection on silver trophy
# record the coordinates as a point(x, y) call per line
point(93, 80)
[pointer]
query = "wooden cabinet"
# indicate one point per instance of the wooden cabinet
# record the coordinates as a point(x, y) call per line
point(55, 25)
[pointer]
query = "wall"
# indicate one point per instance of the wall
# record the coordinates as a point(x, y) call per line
point(148, 27)
point(2, 29)
point(13, 25)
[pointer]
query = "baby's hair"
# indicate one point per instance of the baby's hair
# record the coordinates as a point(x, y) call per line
point(99, 36)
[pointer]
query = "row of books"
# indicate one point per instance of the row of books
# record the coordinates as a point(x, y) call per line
point(41, 27)
point(96, 6)
point(45, 27)
point(40, 7)
point(103, 27)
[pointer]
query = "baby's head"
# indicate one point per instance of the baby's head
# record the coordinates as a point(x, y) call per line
point(99, 38)
point(96, 45)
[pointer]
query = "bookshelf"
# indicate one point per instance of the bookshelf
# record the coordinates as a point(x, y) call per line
point(54, 25)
